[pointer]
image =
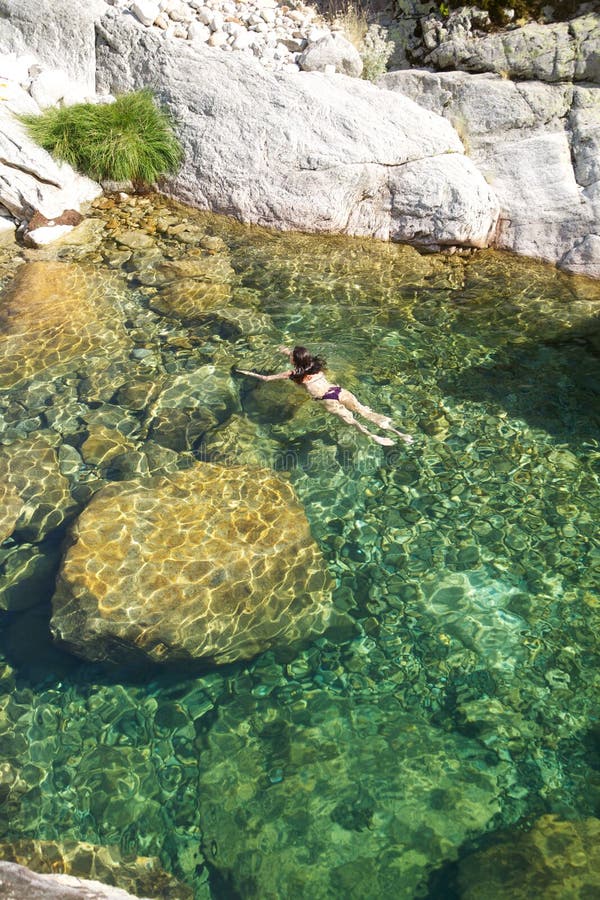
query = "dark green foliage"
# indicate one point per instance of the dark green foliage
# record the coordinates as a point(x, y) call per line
point(131, 139)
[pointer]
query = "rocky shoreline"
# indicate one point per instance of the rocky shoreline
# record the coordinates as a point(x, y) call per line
point(279, 130)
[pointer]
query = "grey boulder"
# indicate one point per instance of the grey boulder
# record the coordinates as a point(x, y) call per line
point(332, 50)
point(538, 146)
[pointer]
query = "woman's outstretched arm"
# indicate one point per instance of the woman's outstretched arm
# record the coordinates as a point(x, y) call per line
point(278, 376)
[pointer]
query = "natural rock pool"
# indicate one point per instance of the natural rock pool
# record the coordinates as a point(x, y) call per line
point(445, 732)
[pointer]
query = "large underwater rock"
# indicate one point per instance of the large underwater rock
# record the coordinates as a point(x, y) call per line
point(305, 152)
point(34, 495)
point(559, 857)
point(35, 500)
point(206, 564)
point(54, 315)
point(538, 145)
point(339, 797)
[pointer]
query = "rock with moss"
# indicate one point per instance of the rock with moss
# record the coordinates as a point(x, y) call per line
point(208, 564)
point(558, 51)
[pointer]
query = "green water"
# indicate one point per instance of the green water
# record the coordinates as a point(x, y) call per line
point(463, 702)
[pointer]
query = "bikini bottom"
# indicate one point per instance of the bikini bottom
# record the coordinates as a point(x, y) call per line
point(332, 393)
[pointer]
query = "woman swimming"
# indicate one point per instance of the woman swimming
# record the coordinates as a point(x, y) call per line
point(309, 371)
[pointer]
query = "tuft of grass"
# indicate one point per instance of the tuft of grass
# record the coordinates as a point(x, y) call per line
point(131, 139)
point(353, 22)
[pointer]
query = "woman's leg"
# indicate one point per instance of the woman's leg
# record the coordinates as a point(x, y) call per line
point(353, 404)
point(339, 410)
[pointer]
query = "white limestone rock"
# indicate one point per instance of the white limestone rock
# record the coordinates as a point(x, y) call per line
point(538, 146)
point(14, 68)
point(198, 32)
point(179, 12)
point(8, 228)
point(242, 40)
point(217, 39)
point(53, 87)
point(304, 152)
point(145, 11)
point(30, 180)
point(332, 50)
point(39, 237)
point(55, 32)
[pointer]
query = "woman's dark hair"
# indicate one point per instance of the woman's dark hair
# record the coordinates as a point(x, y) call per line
point(305, 364)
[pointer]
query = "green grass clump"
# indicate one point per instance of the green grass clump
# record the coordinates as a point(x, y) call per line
point(131, 139)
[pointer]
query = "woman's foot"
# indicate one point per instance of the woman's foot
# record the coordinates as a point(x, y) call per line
point(405, 437)
point(385, 442)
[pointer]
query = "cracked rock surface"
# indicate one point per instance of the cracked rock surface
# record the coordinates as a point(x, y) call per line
point(538, 146)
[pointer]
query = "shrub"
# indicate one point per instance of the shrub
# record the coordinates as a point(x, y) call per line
point(370, 40)
point(131, 139)
point(376, 51)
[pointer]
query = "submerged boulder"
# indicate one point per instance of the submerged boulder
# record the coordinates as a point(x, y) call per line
point(371, 795)
point(35, 497)
point(35, 501)
point(208, 564)
point(562, 856)
point(19, 883)
point(52, 315)
point(304, 152)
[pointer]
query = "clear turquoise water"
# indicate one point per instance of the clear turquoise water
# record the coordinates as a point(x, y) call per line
point(464, 700)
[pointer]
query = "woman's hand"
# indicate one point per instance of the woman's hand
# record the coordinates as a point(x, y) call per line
point(285, 350)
